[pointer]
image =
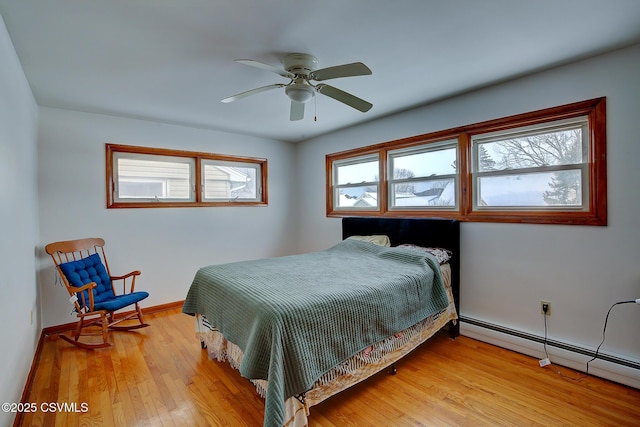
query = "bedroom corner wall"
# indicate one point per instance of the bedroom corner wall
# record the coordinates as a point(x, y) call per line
point(508, 268)
point(19, 313)
point(167, 244)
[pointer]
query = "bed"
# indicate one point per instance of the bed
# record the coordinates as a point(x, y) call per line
point(287, 323)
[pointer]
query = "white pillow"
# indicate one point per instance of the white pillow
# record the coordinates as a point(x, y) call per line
point(379, 239)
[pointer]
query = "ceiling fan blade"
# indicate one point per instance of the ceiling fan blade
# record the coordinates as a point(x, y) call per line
point(263, 66)
point(344, 97)
point(346, 70)
point(251, 92)
point(297, 111)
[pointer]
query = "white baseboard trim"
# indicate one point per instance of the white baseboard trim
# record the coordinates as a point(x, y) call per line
point(613, 368)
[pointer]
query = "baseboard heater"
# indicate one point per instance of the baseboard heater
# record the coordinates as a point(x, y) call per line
point(558, 344)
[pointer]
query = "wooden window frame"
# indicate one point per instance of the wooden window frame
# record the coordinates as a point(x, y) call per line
point(198, 157)
point(366, 158)
point(595, 213)
point(427, 147)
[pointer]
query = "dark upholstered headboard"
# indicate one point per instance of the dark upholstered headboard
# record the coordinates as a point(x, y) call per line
point(441, 233)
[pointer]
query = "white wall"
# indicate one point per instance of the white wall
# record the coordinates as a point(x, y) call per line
point(167, 244)
point(18, 225)
point(508, 268)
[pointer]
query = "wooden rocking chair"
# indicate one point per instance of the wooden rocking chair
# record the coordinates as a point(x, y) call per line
point(84, 270)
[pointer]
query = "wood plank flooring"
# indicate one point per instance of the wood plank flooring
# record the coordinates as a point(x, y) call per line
point(159, 376)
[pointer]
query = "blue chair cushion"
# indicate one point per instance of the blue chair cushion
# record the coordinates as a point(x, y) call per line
point(91, 269)
point(120, 301)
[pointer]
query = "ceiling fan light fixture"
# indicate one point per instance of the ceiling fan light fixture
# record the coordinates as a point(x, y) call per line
point(299, 92)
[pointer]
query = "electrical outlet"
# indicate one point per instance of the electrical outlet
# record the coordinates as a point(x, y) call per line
point(546, 304)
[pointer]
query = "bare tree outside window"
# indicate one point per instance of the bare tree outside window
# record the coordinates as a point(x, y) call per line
point(406, 187)
point(549, 149)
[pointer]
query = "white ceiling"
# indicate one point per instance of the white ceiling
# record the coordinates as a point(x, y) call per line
point(173, 60)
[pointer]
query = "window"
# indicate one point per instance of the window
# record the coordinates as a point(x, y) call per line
point(356, 183)
point(546, 166)
point(231, 181)
point(153, 178)
point(150, 177)
point(424, 176)
point(542, 168)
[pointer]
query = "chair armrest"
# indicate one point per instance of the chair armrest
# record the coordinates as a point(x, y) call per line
point(82, 288)
point(133, 274)
point(86, 287)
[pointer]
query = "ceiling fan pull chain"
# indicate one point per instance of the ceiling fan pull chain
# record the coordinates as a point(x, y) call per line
point(315, 109)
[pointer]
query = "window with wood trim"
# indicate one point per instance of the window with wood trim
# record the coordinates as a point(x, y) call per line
point(141, 177)
point(546, 166)
point(423, 177)
point(357, 183)
point(541, 167)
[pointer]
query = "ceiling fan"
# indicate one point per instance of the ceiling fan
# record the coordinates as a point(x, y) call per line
point(301, 69)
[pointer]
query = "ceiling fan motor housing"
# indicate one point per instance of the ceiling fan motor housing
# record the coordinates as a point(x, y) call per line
point(300, 63)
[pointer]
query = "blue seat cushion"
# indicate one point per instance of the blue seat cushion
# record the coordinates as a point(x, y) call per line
point(91, 269)
point(120, 301)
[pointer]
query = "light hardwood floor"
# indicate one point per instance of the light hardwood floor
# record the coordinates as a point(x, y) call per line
point(159, 376)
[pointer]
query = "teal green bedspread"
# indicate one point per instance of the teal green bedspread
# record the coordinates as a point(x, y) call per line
point(298, 316)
